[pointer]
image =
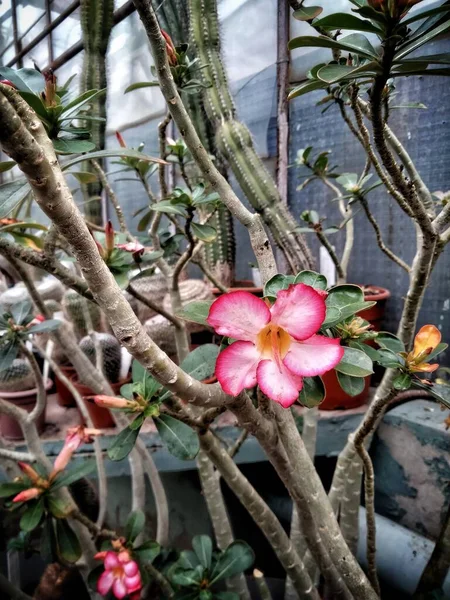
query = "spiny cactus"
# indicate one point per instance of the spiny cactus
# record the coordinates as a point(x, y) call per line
point(53, 306)
point(111, 354)
point(234, 141)
point(96, 18)
point(162, 333)
point(153, 287)
point(74, 309)
point(13, 295)
point(18, 377)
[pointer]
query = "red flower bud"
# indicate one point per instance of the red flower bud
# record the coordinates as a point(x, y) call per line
point(26, 495)
point(109, 237)
point(120, 139)
point(170, 49)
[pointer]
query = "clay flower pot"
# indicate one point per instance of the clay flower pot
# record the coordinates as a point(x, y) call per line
point(101, 417)
point(65, 397)
point(26, 399)
point(375, 314)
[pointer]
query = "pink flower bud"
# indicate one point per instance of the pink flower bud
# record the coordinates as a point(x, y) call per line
point(26, 495)
point(7, 82)
point(112, 402)
point(29, 471)
point(120, 139)
point(109, 237)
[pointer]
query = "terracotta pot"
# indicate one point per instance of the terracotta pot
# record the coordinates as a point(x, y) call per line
point(336, 398)
point(245, 285)
point(26, 399)
point(101, 417)
point(375, 314)
point(65, 397)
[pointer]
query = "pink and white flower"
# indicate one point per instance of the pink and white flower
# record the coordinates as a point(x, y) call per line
point(121, 574)
point(276, 346)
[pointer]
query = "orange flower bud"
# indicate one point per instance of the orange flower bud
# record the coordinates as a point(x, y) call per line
point(49, 95)
point(109, 237)
point(29, 471)
point(170, 49)
point(112, 402)
point(26, 495)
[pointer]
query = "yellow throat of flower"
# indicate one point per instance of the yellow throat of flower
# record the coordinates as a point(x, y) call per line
point(273, 342)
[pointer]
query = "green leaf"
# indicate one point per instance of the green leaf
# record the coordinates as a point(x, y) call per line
point(351, 385)
point(167, 207)
point(25, 80)
point(73, 107)
point(69, 548)
point(202, 546)
point(355, 363)
point(11, 194)
point(72, 146)
point(389, 359)
point(188, 559)
point(334, 73)
point(305, 88)
point(141, 84)
point(315, 280)
point(186, 577)
point(69, 476)
point(402, 381)
point(201, 362)
point(276, 283)
point(421, 40)
point(147, 552)
point(47, 546)
point(7, 165)
point(180, 439)
point(313, 392)
point(49, 325)
point(347, 21)
point(390, 341)
point(84, 176)
point(342, 302)
point(127, 391)
point(122, 152)
point(439, 348)
point(20, 311)
point(237, 558)
point(206, 233)
point(123, 444)
point(369, 350)
point(134, 525)
point(354, 43)
point(11, 488)
point(139, 374)
point(307, 13)
point(57, 507)
point(32, 515)
point(8, 353)
point(195, 312)
point(426, 13)
point(226, 596)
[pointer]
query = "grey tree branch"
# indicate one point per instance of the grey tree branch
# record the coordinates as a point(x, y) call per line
point(113, 199)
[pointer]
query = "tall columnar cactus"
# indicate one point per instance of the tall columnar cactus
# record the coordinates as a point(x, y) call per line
point(74, 307)
point(96, 17)
point(18, 377)
point(111, 354)
point(220, 254)
point(234, 140)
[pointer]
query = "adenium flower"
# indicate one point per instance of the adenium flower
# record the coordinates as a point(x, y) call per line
point(121, 574)
point(134, 247)
point(276, 346)
point(76, 436)
point(425, 342)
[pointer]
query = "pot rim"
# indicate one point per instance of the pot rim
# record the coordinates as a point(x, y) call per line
point(24, 393)
point(381, 293)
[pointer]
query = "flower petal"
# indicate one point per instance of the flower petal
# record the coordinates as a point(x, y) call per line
point(111, 561)
point(313, 356)
point(278, 383)
point(105, 582)
point(424, 368)
point(428, 336)
point(119, 588)
point(236, 367)
point(239, 315)
point(130, 568)
point(133, 583)
point(300, 310)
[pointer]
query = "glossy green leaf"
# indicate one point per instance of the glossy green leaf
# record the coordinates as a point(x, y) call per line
point(122, 152)
point(69, 548)
point(8, 352)
point(7, 165)
point(276, 283)
point(37, 105)
point(421, 40)
point(237, 558)
point(140, 374)
point(47, 546)
point(307, 13)
point(84, 176)
point(123, 443)
point(402, 382)
point(21, 311)
point(180, 439)
point(11, 488)
point(206, 233)
point(390, 341)
point(351, 385)
point(57, 507)
point(141, 84)
point(134, 525)
point(305, 88)
point(315, 280)
point(73, 107)
point(33, 514)
point(45, 326)
point(424, 14)
point(169, 208)
point(389, 359)
point(346, 21)
point(11, 194)
point(72, 146)
point(355, 363)
point(25, 80)
point(354, 43)
point(371, 352)
point(439, 348)
point(73, 474)
point(334, 73)
point(313, 392)
point(187, 577)
point(202, 546)
point(201, 362)
point(195, 312)
point(147, 552)
point(188, 559)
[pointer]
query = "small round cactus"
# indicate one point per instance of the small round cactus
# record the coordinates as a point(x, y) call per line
point(13, 296)
point(53, 306)
point(73, 308)
point(153, 287)
point(162, 333)
point(18, 377)
point(111, 354)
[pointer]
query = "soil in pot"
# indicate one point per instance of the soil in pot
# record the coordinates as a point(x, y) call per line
point(65, 397)
point(101, 417)
point(9, 427)
point(244, 285)
point(336, 398)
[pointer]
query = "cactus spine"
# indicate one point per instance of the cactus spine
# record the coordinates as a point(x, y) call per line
point(96, 17)
point(110, 351)
point(234, 141)
point(74, 306)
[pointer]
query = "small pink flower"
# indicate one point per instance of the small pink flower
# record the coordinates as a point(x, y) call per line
point(121, 574)
point(134, 247)
point(26, 495)
point(277, 346)
point(76, 436)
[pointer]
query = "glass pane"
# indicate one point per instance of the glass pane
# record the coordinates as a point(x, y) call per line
point(68, 32)
point(30, 15)
point(6, 31)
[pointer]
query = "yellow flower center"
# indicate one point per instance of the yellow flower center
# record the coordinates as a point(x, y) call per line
point(273, 342)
